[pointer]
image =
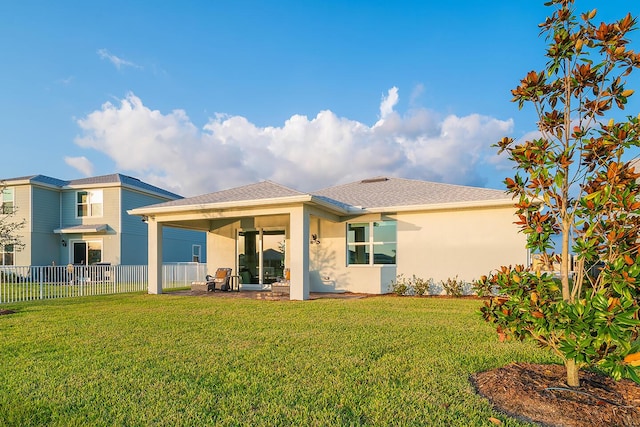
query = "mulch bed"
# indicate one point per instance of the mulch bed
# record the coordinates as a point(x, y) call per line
point(538, 393)
point(6, 312)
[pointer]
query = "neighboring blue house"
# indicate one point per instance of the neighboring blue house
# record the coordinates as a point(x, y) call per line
point(85, 221)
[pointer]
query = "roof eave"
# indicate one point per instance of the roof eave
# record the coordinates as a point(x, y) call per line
point(444, 206)
point(224, 205)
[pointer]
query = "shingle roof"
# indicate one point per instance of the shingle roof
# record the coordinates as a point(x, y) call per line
point(369, 194)
point(125, 180)
point(115, 178)
point(258, 191)
point(43, 179)
point(389, 192)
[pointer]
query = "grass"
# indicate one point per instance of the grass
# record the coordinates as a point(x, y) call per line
point(172, 360)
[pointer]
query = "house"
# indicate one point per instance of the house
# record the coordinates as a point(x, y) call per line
point(84, 221)
point(355, 237)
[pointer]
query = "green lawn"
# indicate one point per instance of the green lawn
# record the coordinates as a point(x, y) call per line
point(169, 360)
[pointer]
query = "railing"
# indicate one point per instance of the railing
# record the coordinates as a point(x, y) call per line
point(49, 282)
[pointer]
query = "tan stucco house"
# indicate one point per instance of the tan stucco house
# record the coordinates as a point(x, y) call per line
point(355, 237)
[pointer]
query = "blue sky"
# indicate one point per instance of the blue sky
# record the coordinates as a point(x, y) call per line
point(198, 96)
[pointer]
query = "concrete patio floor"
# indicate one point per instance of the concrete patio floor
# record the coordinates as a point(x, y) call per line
point(265, 295)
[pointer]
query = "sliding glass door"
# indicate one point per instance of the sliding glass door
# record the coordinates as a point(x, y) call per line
point(261, 255)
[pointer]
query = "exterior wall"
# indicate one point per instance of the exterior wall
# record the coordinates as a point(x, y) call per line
point(221, 245)
point(328, 262)
point(46, 247)
point(177, 243)
point(22, 204)
point(466, 243)
point(110, 216)
point(436, 245)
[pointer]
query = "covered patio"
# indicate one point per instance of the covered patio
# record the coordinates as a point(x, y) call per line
point(257, 230)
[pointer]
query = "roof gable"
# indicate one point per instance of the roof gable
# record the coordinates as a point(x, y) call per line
point(124, 180)
point(259, 191)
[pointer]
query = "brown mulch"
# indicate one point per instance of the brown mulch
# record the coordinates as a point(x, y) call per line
point(6, 312)
point(538, 393)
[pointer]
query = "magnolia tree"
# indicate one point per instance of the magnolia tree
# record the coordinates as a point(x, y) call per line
point(577, 190)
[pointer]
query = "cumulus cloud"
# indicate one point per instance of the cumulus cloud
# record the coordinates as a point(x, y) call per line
point(167, 149)
point(388, 102)
point(115, 60)
point(82, 164)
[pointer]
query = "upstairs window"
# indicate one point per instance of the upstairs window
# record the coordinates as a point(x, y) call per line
point(6, 202)
point(89, 203)
point(371, 243)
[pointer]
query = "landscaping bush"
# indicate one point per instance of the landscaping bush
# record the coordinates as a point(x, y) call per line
point(453, 286)
point(411, 286)
point(400, 286)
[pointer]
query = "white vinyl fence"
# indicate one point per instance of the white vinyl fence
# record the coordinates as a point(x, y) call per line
point(48, 282)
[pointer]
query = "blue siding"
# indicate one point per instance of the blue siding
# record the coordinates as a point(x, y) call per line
point(45, 245)
point(177, 243)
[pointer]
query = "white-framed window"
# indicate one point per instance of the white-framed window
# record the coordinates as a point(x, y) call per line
point(7, 202)
point(195, 253)
point(371, 243)
point(89, 203)
point(7, 255)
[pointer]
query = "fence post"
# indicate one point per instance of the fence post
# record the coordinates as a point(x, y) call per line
point(40, 274)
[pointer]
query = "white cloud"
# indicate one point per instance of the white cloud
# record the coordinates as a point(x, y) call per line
point(117, 61)
point(388, 102)
point(82, 164)
point(167, 149)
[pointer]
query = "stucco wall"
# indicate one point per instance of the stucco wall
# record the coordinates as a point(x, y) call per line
point(466, 243)
point(432, 245)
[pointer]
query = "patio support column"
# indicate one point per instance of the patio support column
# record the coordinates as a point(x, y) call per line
point(299, 253)
point(155, 256)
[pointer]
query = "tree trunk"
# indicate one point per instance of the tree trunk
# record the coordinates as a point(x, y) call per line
point(573, 373)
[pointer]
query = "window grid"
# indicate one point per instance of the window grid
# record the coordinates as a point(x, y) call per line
point(371, 243)
point(7, 201)
point(89, 203)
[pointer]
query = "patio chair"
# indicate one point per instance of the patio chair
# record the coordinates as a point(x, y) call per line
point(220, 279)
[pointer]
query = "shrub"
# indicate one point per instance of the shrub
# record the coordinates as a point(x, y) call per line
point(400, 286)
point(413, 286)
point(421, 286)
point(453, 287)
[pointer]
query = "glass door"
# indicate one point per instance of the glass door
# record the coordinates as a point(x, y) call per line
point(261, 255)
point(273, 250)
point(248, 257)
point(87, 253)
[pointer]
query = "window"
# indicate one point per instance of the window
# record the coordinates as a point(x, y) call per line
point(371, 243)
point(7, 255)
point(89, 203)
point(7, 202)
point(195, 253)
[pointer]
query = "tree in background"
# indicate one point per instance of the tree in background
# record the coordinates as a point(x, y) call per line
point(9, 227)
point(576, 184)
